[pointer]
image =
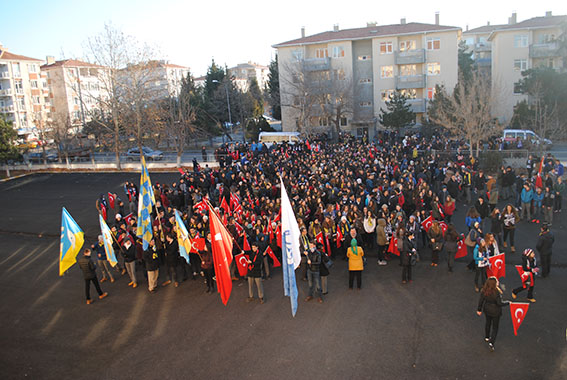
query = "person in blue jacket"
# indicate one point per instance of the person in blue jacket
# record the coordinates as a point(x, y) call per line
point(527, 196)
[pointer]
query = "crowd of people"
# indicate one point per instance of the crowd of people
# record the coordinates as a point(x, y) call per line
point(349, 198)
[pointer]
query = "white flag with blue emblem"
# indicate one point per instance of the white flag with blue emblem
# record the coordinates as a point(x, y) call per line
point(291, 254)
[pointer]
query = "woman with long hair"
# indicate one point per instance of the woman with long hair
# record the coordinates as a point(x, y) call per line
point(451, 241)
point(481, 262)
point(491, 304)
point(436, 241)
point(496, 224)
point(509, 218)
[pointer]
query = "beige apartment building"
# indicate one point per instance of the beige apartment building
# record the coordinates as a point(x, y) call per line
point(75, 89)
point(244, 72)
point(376, 61)
point(518, 46)
point(23, 91)
point(478, 43)
point(166, 79)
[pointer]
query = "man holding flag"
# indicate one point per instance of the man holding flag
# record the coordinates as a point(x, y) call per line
point(146, 202)
point(291, 256)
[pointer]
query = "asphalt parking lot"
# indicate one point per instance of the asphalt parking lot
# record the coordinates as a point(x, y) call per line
point(425, 330)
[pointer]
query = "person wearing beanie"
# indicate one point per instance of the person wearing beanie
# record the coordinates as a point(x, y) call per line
point(530, 269)
point(355, 263)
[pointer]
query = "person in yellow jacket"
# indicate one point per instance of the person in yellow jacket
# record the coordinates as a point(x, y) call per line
point(355, 264)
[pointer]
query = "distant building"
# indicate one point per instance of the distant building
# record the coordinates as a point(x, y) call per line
point(478, 43)
point(75, 89)
point(244, 72)
point(23, 91)
point(166, 79)
point(379, 59)
point(200, 81)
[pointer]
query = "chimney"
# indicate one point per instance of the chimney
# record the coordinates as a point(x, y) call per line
point(548, 14)
point(302, 32)
point(436, 18)
point(371, 23)
point(336, 28)
point(512, 20)
point(488, 23)
point(403, 21)
point(50, 59)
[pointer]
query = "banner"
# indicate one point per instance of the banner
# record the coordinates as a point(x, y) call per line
point(518, 311)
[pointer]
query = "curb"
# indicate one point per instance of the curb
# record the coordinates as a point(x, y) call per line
point(15, 177)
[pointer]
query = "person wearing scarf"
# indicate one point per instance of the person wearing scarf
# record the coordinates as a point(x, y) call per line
point(355, 264)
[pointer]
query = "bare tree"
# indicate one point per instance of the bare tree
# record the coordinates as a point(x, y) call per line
point(61, 130)
point(337, 100)
point(468, 110)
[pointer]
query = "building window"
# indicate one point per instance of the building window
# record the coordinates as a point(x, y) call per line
point(21, 104)
point(35, 99)
point(16, 70)
point(387, 72)
point(32, 68)
point(322, 53)
point(365, 81)
point(33, 84)
point(410, 93)
point(407, 70)
point(517, 88)
point(364, 57)
point(76, 101)
point(431, 93)
point(386, 47)
point(19, 86)
point(297, 55)
point(338, 52)
point(365, 104)
point(433, 43)
point(339, 74)
point(521, 40)
point(520, 64)
point(433, 68)
point(407, 45)
point(76, 115)
point(343, 121)
point(386, 95)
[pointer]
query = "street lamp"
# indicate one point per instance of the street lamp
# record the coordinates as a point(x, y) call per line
point(227, 102)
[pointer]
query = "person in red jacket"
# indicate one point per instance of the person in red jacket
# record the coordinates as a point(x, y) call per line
point(449, 208)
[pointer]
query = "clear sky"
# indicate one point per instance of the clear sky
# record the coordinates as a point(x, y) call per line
point(191, 33)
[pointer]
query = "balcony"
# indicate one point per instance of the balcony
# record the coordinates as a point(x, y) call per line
point(547, 50)
point(417, 105)
point(6, 92)
point(7, 109)
point(410, 57)
point(4, 74)
point(482, 46)
point(19, 91)
point(410, 81)
point(317, 64)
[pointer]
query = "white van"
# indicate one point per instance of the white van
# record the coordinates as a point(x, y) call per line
point(524, 134)
point(270, 138)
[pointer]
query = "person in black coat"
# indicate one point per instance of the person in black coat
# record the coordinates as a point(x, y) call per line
point(129, 253)
point(491, 304)
point(406, 249)
point(207, 265)
point(324, 269)
point(171, 259)
point(544, 246)
point(89, 274)
point(151, 261)
point(255, 263)
point(529, 266)
point(482, 207)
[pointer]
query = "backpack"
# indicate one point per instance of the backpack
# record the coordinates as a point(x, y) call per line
point(471, 238)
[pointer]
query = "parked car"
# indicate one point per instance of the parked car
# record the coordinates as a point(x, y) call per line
point(37, 157)
point(150, 154)
point(524, 134)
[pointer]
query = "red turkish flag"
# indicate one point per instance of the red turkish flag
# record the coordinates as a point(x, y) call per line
point(234, 201)
point(461, 248)
point(127, 218)
point(241, 264)
point(393, 246)
point(222, 256)
point(308, 145)
point(320, 239)
point(539, 181)
point(518, 311)
point(339, 237)
point(245, 245)
point(103, 211)
point(224, 205)
point(527, 277)
point(274, 258)
point(443, 226)
point(197, 244)
point(279, 236)
point(270, 232)
point(111, 199)
point(497, 266)
point(201, 206)
point(427, 223)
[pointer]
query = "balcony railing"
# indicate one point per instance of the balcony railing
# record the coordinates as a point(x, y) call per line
point(410, 81)
point(20, 91)
point(6, 92)
point(4, 74)
point(547, 50)
point(417, 105)
point(410, 57)
point(317, 64)
point(7, 109)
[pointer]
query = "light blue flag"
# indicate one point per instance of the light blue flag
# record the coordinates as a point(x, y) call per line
point(182, 237)
point(72, 239)
point(107, 239)
point(291, 255)
point(145, 204)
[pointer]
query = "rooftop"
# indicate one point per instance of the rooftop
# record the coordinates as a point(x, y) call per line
point(484, 29)
point(15, 57)
point(69, 63)
point(368, 32)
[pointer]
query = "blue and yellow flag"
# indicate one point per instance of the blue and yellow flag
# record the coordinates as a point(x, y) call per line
point(72, 239)
point(107, 239)
point(145, 204)
point(182, 237)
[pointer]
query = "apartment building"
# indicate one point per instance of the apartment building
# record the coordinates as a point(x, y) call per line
point(166, 79)
point(75, 89)
point(518, 46)
point(478, 43)
point(23, 91)
point(377, 60)
point(244, 72)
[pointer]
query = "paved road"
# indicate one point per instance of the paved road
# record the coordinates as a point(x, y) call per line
point(427, 330)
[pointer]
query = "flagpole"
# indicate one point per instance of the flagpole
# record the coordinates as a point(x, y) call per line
point(233, 239)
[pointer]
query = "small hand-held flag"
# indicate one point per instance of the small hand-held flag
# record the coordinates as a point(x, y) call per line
point(241, 264)
point(497, 266)
point(72, 239)
point(427, 223)
point(393, 246)
point(291, 255)
point(222, 255)
point(461, 248)
point(183, 240)
point(245, 244)
point(111, 199)
point(527, 277)
point(518, 311)
point(107, 239)
point(339, 237)
point(273, 256)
